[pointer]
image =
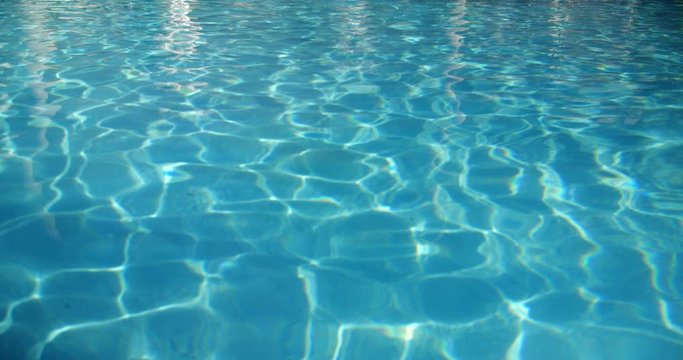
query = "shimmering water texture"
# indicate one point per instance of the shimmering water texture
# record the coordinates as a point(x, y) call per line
point(299, 179)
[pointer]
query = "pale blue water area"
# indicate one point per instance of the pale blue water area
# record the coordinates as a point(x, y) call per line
point(300, 179)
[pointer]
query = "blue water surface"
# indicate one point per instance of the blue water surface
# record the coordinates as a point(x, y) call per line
point(368, 179)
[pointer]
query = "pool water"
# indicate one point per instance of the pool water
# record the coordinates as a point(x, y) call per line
point(300, 179)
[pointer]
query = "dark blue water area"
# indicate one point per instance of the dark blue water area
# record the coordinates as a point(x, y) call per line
point(283, 179)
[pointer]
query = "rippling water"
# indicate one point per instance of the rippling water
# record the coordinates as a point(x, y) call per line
point(282, 179)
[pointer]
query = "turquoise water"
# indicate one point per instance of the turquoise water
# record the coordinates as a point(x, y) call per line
point(283, 179)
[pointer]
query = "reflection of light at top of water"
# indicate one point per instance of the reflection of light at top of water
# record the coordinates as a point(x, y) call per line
point(183, 33)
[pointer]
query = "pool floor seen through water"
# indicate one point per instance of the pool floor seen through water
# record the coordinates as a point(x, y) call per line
point(368, 179)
